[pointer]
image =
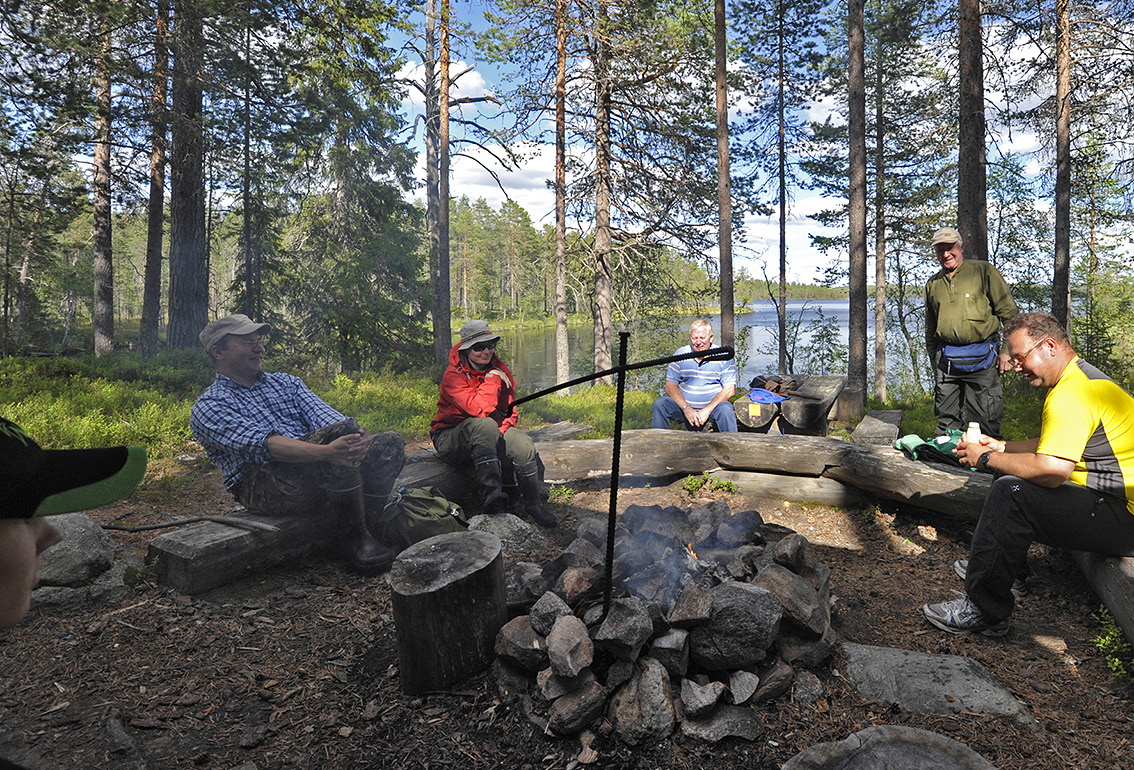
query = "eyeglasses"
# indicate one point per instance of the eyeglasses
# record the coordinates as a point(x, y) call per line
point(480, 347)
point(1018, 361)
point(250, 342)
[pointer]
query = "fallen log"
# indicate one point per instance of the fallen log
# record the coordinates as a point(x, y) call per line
point(801, 489)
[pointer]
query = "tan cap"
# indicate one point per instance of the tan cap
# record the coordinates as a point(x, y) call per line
point(947, 235)
point(474, 332)
point(237, 323)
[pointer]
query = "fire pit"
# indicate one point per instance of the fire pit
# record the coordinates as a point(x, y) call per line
point(714, 612)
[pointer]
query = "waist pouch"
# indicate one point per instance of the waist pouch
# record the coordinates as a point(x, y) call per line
point(969, 358)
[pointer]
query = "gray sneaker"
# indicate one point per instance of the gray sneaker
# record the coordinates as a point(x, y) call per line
point(960, 616)
point(1019, 585)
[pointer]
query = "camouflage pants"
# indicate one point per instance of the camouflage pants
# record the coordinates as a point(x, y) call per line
point(288, 489)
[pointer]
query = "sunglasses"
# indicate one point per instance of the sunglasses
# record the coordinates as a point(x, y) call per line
point(480, 347)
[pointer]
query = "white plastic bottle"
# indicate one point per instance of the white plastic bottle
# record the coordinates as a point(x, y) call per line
point(972, 433)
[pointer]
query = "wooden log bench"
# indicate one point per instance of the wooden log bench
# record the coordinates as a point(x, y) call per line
point(204, 556)
point(803, 468)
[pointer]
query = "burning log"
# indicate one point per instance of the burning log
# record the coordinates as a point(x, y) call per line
point(448, 595)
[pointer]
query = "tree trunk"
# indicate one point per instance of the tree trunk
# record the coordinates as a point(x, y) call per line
point(1061, 279)
point(603, 243)
point(972, 207)
point(442, 310)
point(102, 316)
point(879, 231)
point(155, 212)
point(853, 399)
point(562, 354)
point(782, 174)
point(724, 188)
point(188, 269)
point(442, 332)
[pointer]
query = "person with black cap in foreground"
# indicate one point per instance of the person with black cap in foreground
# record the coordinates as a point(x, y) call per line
point(40, 482)
point(473, 420)
point(286, 452)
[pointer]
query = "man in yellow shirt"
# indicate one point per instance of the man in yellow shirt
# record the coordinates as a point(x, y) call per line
point(1073, 487)
point(965, 304)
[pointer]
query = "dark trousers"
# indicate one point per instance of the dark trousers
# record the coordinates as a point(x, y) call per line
point(289, 489)
point(963, 397)
point(1018, 513)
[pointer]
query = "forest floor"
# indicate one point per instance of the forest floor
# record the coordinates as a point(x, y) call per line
point(297, 667)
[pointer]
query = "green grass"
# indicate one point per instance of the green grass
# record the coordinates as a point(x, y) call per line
point(1113, 645)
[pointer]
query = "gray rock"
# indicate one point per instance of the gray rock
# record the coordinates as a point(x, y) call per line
point(594, 530)
point(743, 562)
point(671, 649)
point(808, 688)
point(516, 535)
point(706, 519)
point(774, 682)
point(86, 569)
point(518, 643)
point(575, 584)
point(85, 553)
point(627, 627)
point(794, 552)
point(798, 598)
point(693, 606)
point(552, 686)
point(642, 709)
point(724, 722)
point(569, 647)
point(742, 684)
point(524, 582)
point(577, 710)
point(583, 553)
point(889, 746)
point(740, 529)
point(619, 674)
point(698, 700)
point(669, 521)
point(743, 624)
point(546, 610)
point(929, 684)
point(805, 650)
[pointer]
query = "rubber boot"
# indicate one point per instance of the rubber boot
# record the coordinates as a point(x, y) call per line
point(487, 467)
point(358, 546)
point(527, 476)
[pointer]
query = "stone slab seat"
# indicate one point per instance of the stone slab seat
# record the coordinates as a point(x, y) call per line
point(204, 556)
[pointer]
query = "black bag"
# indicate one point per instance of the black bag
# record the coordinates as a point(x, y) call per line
point(969, 358)
point(413, 514)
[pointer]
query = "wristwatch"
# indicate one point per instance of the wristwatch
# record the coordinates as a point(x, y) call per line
point(983, 459)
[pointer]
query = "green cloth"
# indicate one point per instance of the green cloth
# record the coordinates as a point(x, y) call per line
point(968, 307)
point(939, 448)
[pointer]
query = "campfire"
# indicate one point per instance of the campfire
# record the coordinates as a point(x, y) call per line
point(714, 612)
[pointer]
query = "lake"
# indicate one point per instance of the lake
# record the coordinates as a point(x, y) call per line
point(530, 353)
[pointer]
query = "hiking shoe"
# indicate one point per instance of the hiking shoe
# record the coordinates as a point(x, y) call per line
point(960, 616)
point(1019, 585)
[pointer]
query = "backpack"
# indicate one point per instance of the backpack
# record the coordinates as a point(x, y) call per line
point(939, 448)
point(413, 514)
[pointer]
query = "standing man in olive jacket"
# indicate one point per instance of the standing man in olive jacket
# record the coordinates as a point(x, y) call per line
point(966, 303)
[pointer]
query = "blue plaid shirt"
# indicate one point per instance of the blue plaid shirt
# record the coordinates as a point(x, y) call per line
point(232, 422)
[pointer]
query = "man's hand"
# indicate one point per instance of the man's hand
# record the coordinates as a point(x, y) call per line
point(503, 377)
point(968, 454)
point(347, 451)
point(1004, 363)
point(696, 417)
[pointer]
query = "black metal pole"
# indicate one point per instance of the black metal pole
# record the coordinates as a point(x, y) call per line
point(623, 339)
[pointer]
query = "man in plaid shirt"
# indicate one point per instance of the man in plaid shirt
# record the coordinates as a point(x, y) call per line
point(284, 451)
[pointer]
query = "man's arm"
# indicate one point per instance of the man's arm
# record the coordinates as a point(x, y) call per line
point(1017, 458)
point(705, 413)
point(673, 390)
point(346, 451)
point(930, 325)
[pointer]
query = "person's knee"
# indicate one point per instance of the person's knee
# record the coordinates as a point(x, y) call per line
point(481, 431)
point(519, 448)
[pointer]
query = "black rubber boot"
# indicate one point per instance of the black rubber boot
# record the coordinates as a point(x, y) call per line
point(527, 476)
point(487, 467)
point(365, 554)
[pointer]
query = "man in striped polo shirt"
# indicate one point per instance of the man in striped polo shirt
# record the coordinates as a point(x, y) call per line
point(697, 391)
point(1073, 487)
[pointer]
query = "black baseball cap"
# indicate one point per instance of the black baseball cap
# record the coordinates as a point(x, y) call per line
point(42, 482)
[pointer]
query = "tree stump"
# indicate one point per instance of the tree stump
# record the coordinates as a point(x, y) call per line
point(448, 594)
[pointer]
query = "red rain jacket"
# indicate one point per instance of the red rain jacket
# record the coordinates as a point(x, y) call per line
point(467, 392)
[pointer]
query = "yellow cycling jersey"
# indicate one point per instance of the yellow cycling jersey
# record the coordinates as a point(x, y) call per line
point(1089, 419)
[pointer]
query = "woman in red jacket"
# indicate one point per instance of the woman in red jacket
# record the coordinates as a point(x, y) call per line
point(475, 393)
